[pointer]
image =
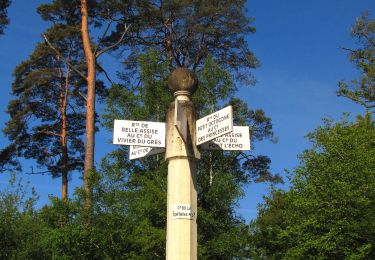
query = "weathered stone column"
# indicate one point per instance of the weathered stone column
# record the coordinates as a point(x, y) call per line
point(182, 156)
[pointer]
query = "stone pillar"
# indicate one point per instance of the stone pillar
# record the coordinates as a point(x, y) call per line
point(182, 156)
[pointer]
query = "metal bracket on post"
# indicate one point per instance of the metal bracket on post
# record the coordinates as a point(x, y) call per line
point(180, 120)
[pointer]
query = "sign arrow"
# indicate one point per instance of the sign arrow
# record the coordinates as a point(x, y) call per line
point(237, 140)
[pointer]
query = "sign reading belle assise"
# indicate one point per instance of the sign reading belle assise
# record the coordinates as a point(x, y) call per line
point(140, 133)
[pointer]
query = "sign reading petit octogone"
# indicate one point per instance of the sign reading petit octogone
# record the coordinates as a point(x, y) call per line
point(214, 125)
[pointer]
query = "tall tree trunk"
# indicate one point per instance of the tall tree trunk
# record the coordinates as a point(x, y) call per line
point(90, 104)
point(64, 138)
point(64, 91)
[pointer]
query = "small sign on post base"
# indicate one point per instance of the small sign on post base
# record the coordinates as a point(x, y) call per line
point(136, 152)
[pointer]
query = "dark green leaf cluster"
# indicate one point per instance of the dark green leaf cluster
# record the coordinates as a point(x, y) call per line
point(61, 11)
point(8, 159)
point(4, 20)
point(100, 11)
point(123, 224)
point(187, 32)
point(137, 192)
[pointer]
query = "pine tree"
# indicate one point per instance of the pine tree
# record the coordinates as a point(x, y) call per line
point(59, 62)
point(47, 117)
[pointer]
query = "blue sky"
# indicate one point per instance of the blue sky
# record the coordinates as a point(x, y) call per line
point(298, 43)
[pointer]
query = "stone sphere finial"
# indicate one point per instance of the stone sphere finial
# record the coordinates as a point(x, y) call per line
point(183, 81)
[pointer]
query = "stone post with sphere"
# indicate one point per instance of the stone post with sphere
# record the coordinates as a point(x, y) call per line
point(182, 156)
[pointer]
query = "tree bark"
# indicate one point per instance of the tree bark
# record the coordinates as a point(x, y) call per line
point(64, 139)
point(63, 95)
point(90, 105)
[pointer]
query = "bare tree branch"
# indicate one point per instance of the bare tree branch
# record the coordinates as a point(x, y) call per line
point(369, 39)
point(105, 72)
point(126, 28)
point(357, 100)
point(49, 133)
point(356, 52)
point(63, 58)
point(83, 96)
point(102, 37)
point(32, 171)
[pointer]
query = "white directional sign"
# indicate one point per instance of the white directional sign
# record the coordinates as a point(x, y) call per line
point(142, 133)
point(142, 151)
point(238, 139)
point(214, 125)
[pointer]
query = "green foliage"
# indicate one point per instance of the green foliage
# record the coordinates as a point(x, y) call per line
point(19, 229)
point(4, 20)
point(329, 211)
point(60, 230)
point(147, 100)
point(138, 194)
point(215, 84)
point(362, 90)
point(137, 191)
point(222, 234)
